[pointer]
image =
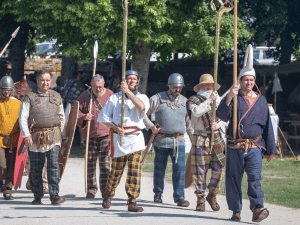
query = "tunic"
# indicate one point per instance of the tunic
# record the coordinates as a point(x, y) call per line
point(111, 112)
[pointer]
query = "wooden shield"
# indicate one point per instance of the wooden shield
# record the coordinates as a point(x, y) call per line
point(66, 146)
point(188, 172)
point(20, 163)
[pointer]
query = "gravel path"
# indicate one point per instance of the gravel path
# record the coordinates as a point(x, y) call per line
point(78, 210)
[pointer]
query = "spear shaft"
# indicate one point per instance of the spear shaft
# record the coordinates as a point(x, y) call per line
point(125, 10)
point(235, 69)
point(89, 122)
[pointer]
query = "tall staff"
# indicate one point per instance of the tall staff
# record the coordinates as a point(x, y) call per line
point(14, 34)
point(89, 122)
point(125, 9)
point(225, 7)
point(235, 69)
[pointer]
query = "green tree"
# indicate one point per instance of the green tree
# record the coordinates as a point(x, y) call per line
point(274, 22)
point(163, 26)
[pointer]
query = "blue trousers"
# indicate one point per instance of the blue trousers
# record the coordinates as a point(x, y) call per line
point(178, 170)
point(236, 164)
point(37, 161)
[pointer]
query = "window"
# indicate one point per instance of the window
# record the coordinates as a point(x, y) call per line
point(256, 54)
point(266, 56)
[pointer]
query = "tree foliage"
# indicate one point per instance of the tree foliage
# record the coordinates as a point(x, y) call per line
point(275, 22)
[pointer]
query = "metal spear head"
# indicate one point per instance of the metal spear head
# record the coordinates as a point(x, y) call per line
point(15, 32)
point(96, 49)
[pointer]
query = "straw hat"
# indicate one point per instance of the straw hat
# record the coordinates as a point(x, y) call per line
point(205, 79)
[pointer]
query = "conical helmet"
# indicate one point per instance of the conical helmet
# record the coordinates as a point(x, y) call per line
point(248, 63)
point(7, 83)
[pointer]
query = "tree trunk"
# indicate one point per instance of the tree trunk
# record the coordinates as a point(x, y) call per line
point(141, 63)
point(18, 55)
point(286, 47)
point(68, 67)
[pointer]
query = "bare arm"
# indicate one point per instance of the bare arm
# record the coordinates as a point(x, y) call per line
point(114, 127)
point(135, 100)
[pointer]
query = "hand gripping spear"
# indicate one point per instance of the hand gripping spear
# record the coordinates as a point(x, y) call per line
point(125, 9)
point(225, 7)
point(14, 34)
point(89, 122)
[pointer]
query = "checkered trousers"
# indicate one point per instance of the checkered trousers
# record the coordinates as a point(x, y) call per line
point(37, 161)
point(133, 180)
point(201, 161)
point(97, 147)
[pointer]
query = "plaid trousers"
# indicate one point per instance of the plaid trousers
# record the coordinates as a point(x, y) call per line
point(133, 180)
point(37, 161)
point(201, 161)
point(97, 147)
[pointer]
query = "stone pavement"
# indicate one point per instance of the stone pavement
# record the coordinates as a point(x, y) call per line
point(78, 210)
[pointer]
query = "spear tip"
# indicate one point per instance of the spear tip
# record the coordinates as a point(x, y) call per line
point(96, 49)
point(15, 32)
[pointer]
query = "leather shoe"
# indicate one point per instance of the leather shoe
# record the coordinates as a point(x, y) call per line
point(90, 195)
point(259, 214)
point(183, 203)
point(36, 201)
point(56, 199)
point(212, 200)
point(158, 198)
point(8, 196)
point(236, 216)
point(106, 202)
point(132, 207)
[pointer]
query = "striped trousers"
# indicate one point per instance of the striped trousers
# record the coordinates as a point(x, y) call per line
point(97, 147)
point(133, 180)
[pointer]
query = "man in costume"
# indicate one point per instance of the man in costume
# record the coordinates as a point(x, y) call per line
point(135, 107)
point(9, 134)
point(255, 139)
point(42, 121)
point(98, 136)
point(171, 114)
point(202, 156)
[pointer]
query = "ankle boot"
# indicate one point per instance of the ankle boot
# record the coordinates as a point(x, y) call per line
point(212, 200)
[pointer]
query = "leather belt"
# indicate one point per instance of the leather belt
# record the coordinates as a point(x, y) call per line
point(244, 143)
point(169, 135)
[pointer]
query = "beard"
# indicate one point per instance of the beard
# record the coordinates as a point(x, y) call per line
point(174, 93)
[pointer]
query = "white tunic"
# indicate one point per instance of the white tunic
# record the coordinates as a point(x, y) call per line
point(111, 112)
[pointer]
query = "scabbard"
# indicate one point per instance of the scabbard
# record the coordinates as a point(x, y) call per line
point(21, 147)
point(149, 145)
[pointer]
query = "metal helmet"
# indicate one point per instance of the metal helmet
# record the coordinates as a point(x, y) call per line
point(7, 83)
point(175, 79)
point(131, 72)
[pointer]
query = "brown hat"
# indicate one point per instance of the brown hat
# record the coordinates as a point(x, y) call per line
point(205, 79)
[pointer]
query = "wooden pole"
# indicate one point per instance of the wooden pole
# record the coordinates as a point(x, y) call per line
point(125, 9)
point(89, 122)
point(235, 69)
point(222, 10)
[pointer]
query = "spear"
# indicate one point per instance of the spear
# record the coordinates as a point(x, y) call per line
point(125, 9)
point(225, 7)
point(14, 34)
point(89, 122)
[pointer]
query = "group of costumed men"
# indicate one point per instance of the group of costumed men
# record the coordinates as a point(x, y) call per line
point(41, 119)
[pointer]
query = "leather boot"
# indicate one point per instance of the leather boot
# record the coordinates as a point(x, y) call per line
point(236, 216)
point(212, 200)
point(259, 214)
point(106, 202)
point(200, 204)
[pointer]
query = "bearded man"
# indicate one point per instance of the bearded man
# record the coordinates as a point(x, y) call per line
point(255, 140)
point(171, 114)
point(9, 134)
point(98, 137)
point(130, 149)
point(42, 121)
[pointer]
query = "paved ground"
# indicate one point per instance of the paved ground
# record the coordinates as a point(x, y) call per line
point(78, 210)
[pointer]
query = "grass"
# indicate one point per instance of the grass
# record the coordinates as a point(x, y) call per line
point(280, 180)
